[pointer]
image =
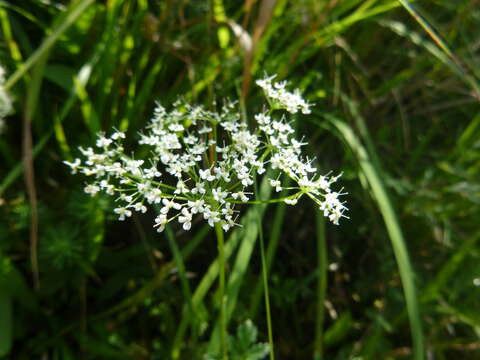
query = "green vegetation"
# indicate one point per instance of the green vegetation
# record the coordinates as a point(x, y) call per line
point(396, 88)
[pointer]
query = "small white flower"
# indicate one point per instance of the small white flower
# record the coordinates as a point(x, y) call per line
point(206, 175)
point(152, 173)
point(122, 212)
point(293, 201)
point(211, 216)
point(181, 188)
point(240, 195)
point(175, 127)
point(126, 198)
point(160, 222)
point(219, 195)
point(140, 207)
point(199, 188)
point(154, 196)
point(144, 187)
point(168, 204)
point(276, 184)
point(91, 189)
point(185, 219)
point(103, 141)
point(117, 135)
point(204, 130)
point(190, 139)
point(196, 206)
point(73, 165)
point(263, 119)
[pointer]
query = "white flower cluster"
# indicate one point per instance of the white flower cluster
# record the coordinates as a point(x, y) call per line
point(203, 163)
point(5, 101)
point(280, 98)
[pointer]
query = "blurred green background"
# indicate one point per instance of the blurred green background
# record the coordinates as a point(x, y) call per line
point(396, 92)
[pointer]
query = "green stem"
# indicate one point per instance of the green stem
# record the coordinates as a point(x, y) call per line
point(265, 279)
point(265, 289)
point(221, 264)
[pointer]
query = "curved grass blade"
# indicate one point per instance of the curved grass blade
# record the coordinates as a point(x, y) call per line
point(75, 11)
point(372, 173)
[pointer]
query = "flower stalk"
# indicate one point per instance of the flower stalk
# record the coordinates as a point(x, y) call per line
point(223, 298)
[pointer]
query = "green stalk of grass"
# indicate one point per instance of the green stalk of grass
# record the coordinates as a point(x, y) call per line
point(265, 278)
point(372, 173)
point(180, 265)
point(273, 239)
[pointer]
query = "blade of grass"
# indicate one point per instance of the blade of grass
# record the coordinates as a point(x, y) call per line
point(372, 173)
point(265, 277)
point(72, 14)
point(180, 265)
point(273, 240)
point(13, 174)
point(8, 37)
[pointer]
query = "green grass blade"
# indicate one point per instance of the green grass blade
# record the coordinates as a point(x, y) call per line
point(273, 240)
point(180, 265)
point(73, 13)
point(83, 77)
point(372, 173)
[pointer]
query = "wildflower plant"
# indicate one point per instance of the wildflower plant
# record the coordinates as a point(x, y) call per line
point(204, 163)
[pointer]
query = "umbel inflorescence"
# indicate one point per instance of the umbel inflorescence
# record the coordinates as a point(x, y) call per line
point(204, 163)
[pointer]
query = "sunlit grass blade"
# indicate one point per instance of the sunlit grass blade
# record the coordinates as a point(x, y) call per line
point(73, 13)
point(372, 173)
